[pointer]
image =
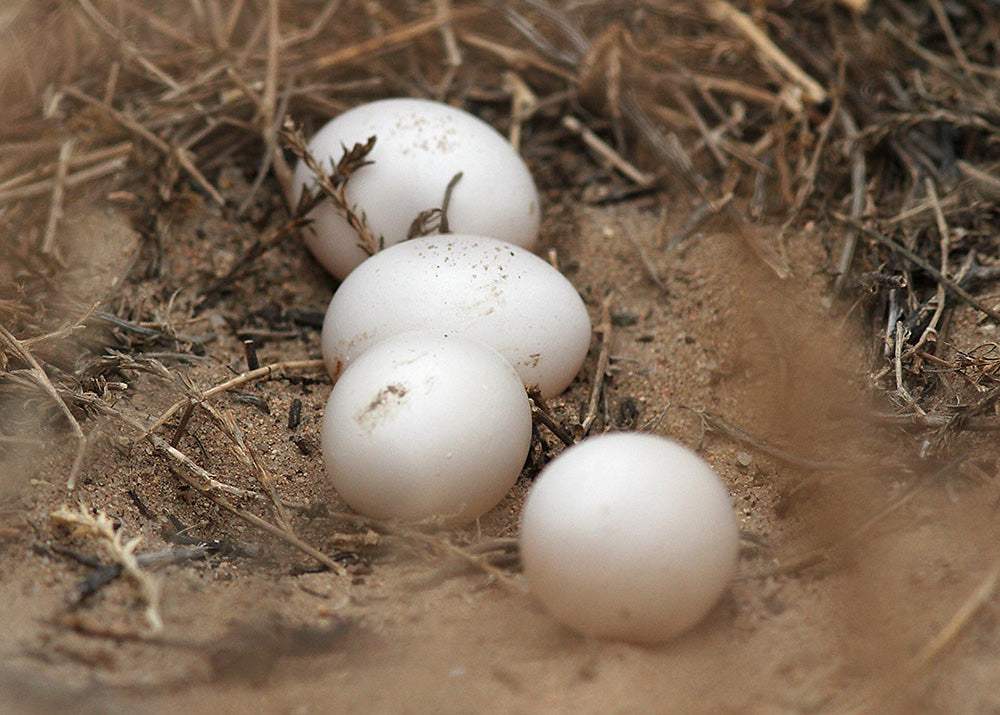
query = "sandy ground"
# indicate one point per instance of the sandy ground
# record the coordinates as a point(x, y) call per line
point(849, 568)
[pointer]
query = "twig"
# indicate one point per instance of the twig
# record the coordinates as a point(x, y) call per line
point(603, 361)
point(812, 169)
point(858, 171)
point(249, 376)
point(858, 6)
point(901, 335)
point(522, 103)
point(182, 156)
point(943, 639)
point(443, 10)
point(41, 188)
point(480, 562)
point(328, 12)
point(944, 236)
point(931, 421)
point(105, 25)
point(76, 161)
point(720, 424)
point(722, 11)
point(670, 150)
point(101, 526)
point(516, 58)
point(203, 482)
point(250, 350)
point(388, 41)
point(472, 556)
point(246, 453)
point(105, 574)
point(540, 412)
point(606, 153)
point(953, 41)
point(983, 180)
point(913, 258)
point(436, 219)
point(708, 139)
point(182, 425)
point(42, 379)
point(444, 226)
point(271, 158)
point(270, 95)
point(58, 189)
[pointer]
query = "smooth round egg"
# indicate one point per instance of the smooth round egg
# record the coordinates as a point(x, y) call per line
point(420, 146)
point(478, 287)
point(628, 536)
point(424, 426)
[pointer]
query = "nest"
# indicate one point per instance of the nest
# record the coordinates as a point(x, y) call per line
point(879, 128)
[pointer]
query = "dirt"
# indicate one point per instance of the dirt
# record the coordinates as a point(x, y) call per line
point(868, 556)
point(407, 629)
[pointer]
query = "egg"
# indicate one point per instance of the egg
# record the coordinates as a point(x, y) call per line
point(424, 426)
point(628, 536)
point(420, 146)
point(478, 287)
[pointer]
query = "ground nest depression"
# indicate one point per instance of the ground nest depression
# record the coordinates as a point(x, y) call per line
point(781, 216)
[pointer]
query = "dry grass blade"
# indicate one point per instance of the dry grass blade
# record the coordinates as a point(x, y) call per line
point(15, 346)
point(720, 424)
point(388, 41)
point(332, 184)
point(261, 373)
point(943, 639)
point(58, 189)
point(203, 482)
point(101, 526)
point(179, 154)
point(607, 153)
point(724, 12)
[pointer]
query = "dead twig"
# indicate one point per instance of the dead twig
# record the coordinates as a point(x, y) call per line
point(203, 482)
point(920, 262)
point(720, 424)
point(722, 11)
point(944, 638)
point(541, 413)
point(77, 178)
point(606, 154)
point(58, 189)
point(178, 154)
point(100, 525)
point(262, 373)
point(858, 171)
point(40, 377)
point(603, 361)
point(388, 41)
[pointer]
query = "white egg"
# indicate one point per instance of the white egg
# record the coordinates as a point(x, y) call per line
point(628, 536)
point(478, 287)
point(420, 146)
point(425, 426)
